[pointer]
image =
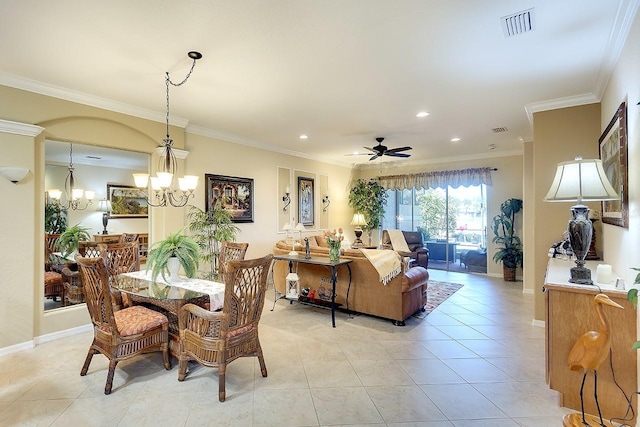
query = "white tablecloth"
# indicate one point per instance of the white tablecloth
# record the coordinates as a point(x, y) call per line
point(215, 290)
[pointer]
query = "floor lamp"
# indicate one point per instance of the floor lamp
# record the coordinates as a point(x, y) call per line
point(580, 181)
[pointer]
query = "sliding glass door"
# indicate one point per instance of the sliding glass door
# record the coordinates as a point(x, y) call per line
point(452, 220)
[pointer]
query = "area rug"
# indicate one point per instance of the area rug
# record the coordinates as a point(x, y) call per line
point(437, 293)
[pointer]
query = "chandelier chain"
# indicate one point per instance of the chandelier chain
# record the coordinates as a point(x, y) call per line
point(168, 81)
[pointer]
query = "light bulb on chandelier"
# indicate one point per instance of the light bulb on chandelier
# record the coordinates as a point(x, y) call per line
point(73, 196)
point(162, 187)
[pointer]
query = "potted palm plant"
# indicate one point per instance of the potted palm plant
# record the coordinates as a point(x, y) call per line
point(209, 229)
point(168, 255)
point(510, 253)
point(69, 238)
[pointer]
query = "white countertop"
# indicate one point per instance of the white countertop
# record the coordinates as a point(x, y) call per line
point(559, 273)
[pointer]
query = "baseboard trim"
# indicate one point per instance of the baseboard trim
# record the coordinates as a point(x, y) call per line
point(62, 334)
point(5, 351)
point(538, 323)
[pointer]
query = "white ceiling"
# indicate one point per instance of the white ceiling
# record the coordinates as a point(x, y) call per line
point(341, 71)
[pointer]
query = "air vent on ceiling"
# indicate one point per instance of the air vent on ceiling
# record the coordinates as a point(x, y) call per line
point(500, 129)
point(519, 23)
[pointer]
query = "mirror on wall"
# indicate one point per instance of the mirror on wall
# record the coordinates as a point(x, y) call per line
point(99, 170)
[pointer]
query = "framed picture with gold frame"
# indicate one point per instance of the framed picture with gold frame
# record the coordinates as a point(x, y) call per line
point(127, 201)
point(613, 153)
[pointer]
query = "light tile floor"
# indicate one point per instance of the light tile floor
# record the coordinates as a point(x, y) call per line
point(475, 361)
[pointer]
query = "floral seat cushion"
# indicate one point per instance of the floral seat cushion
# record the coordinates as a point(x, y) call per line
point(137, 319)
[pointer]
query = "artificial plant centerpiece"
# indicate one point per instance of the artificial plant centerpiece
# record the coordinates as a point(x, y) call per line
point(510, 251)
point(369, 198)
point(166, 256)
point(69, 238)
point(209, 229)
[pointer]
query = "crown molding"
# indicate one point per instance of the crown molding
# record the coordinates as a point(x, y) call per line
point(202, 131)
point(554, 104)
point(17, 128)
point(41, 88)
point(625, 16)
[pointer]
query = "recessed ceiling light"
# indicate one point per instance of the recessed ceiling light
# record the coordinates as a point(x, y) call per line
point(455, 139)
point(422, 114)
point(303, 136)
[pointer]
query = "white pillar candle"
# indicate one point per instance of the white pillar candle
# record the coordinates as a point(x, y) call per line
point(604, 274)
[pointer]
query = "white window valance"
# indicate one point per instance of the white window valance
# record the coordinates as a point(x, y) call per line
point(437, 179)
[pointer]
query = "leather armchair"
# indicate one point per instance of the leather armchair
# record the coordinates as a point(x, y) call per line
point(417, 249)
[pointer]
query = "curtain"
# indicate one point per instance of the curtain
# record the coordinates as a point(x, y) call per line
point(438, 179)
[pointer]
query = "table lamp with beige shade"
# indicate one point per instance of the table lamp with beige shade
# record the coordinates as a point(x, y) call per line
point(580, 181)
point(358, 220)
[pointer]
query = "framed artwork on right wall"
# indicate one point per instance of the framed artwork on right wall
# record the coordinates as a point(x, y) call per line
point(613, 153)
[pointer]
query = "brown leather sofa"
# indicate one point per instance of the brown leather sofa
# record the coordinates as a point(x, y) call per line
point(403, 296)
point(417, 250)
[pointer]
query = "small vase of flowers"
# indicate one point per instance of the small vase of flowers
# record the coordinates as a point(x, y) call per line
point(334, 240)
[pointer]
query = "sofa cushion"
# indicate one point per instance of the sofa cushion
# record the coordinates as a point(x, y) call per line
point(322, 242)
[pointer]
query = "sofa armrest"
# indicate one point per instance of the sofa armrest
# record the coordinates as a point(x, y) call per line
point(414, 277)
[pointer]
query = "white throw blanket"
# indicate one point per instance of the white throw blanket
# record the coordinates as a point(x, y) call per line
point(386, 263)
point(398, 241)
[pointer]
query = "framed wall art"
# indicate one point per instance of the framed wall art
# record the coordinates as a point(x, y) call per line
point(127, 201)
point(613, 153)
point(236, 194)
point(305, 200)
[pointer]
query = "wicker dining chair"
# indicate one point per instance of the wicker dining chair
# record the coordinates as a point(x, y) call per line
point(121, 258)
point(128, 237)
point(230, 251)
point(73, 290)
point(50, 246)
point(89, 249)
point(122, 334)
point(216, 339)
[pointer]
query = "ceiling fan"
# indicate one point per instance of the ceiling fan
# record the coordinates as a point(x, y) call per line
point(381, 150)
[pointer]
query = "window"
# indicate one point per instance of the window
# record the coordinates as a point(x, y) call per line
point(453, 215)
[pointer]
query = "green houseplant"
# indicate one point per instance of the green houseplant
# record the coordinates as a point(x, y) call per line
point(68, 240)
point(369, 198)
point(177, 249)
point(510, 250)
point(55, 218)
point(632, 295)
point(209, 229)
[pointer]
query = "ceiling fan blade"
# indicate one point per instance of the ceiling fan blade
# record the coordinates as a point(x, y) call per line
point(375, 156)
point(396, 150)
point(397, 154)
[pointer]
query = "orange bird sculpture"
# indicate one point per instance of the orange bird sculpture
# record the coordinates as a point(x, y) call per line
point(592, 349)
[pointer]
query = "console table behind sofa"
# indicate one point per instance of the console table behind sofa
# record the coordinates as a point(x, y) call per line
point(400, 298)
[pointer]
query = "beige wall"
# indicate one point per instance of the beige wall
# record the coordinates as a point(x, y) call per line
point(559, 135)
point(620, 245)
point(16, 259)
point(507, 183)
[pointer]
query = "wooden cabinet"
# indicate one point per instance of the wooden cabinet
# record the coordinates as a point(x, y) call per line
point(569, 314)
point(143, 241)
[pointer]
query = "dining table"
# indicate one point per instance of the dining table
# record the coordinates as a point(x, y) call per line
point(167, 297)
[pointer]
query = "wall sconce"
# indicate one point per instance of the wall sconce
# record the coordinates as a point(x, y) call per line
point(13, 174)
point(325, 203)
point(286, 199)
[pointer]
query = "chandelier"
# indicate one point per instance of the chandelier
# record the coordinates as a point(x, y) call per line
point(162, 185)
point(73, 195)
